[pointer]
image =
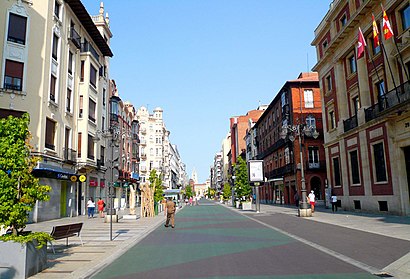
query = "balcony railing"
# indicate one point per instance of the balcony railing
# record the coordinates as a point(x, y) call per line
point(70, 155)
point(272, 148)
point(391, 101)
point(350, 123)
point(87, 47)
point(75, 37)
point(321, 165)
point(279, 172)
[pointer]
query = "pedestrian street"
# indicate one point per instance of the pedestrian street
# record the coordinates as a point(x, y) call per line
point(214, 241)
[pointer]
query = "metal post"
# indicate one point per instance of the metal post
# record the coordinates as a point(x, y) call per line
point(112, 183)
point(303, 210)
point(258, 205)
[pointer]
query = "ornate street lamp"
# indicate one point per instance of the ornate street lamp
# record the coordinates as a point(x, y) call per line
point(300, 130)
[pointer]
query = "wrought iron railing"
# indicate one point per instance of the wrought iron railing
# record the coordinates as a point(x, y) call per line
point(392, 100)
point(279, 172)
point(70, 155)
point(75, 37)
point(350, 123)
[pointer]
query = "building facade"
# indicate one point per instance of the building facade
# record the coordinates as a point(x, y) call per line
point(296, 106)
point(59, 77)
point(366, 105)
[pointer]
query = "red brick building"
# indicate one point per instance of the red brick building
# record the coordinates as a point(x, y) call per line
point(298, 103)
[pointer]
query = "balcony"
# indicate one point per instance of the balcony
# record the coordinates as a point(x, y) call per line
point(321, 165)
point(143, 156)
point(75, 37)
point(69, 155)
point(390, 103)
point(87, 47)
point(272, 148)
point(350, 123)
point(143, 131)
point(280, 172)
point(143, 142)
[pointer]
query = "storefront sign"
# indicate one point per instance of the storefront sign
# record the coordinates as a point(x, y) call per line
point(93, 183)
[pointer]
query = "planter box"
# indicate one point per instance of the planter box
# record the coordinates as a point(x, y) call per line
point(238, 204)
point(19, 260)
point(246, 205)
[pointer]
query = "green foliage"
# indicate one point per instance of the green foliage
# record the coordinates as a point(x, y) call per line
point(19, 189)
point(226, 192)
point(242, 187)
point(188, 191)
point(211, 193)
point(156, 181)
point(41, 237)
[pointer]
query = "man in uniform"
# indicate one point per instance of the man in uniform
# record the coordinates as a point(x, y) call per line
point(170, 207)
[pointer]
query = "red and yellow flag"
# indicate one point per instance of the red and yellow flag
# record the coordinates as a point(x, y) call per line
point(387, 30)
point(361, 44)
point(375, 33)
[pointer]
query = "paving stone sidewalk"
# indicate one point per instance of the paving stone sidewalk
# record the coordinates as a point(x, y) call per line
point(77, 261)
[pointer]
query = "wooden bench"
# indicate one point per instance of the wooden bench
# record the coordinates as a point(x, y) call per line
point(66, 231)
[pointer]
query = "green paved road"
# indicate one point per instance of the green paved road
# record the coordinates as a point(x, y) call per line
point(212, 241)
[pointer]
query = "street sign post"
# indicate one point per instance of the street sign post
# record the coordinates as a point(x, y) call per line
point(256, 177)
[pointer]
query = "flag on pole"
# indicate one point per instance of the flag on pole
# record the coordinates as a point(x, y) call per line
point(375, 33)
point(387, 30)
point(361, 44)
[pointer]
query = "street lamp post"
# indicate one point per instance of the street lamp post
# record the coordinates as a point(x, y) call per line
point(112, 133)
point(233, 190)
point(300, 130)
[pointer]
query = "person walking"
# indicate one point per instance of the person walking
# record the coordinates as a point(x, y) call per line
point(101, 205)
point(296, 198)
point(190, 201)
point(90, 207)
point(312, 199)
point(170, 208)
point(334, 202)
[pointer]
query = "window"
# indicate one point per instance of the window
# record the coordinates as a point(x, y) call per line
point(102, 154)
point(70, 62)
point(324, 45)
point(55, 46)
point(13, 77)
point(91, 110)
point(352, 64)
point(57, 7)
point(50, 134)
point(354, 167)
point(79, 145)
point(82, 71)
point(68, 105)
point(103, 123)
point(103, 95)
point(313, 154)
point(379, 162)
point(405, 17)
point(332, 120)
point(356, 104)
point(343, 20)
point(17, 29)
point(329, 83)
point(53, 81)
point(93, 76)
point(381, 91)
point(81, 104)
point(310, 121)
point(336, 171)
point(90, 151)
point(308, 98)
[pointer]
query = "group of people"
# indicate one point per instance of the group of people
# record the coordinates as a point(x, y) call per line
point(311, 199)
point(192, 201)
point(91, 207)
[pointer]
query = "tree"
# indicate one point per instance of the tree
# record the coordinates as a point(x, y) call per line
point(156, 183)
point(19, 189)
point(188, 191)
point(242, 187)
point(226, 192)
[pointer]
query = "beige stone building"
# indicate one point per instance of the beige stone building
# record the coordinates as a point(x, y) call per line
point(365, 102)
point(54, 62)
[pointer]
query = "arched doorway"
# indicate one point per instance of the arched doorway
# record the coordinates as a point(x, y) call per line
point(316, 186)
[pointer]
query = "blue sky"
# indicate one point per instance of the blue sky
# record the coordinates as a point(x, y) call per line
point(204, 61)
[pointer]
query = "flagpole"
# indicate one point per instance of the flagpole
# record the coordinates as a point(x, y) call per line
point(391, 72)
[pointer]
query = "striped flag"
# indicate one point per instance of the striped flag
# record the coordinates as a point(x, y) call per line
point(361, 44)
point(375, 33)
point(387, 30)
